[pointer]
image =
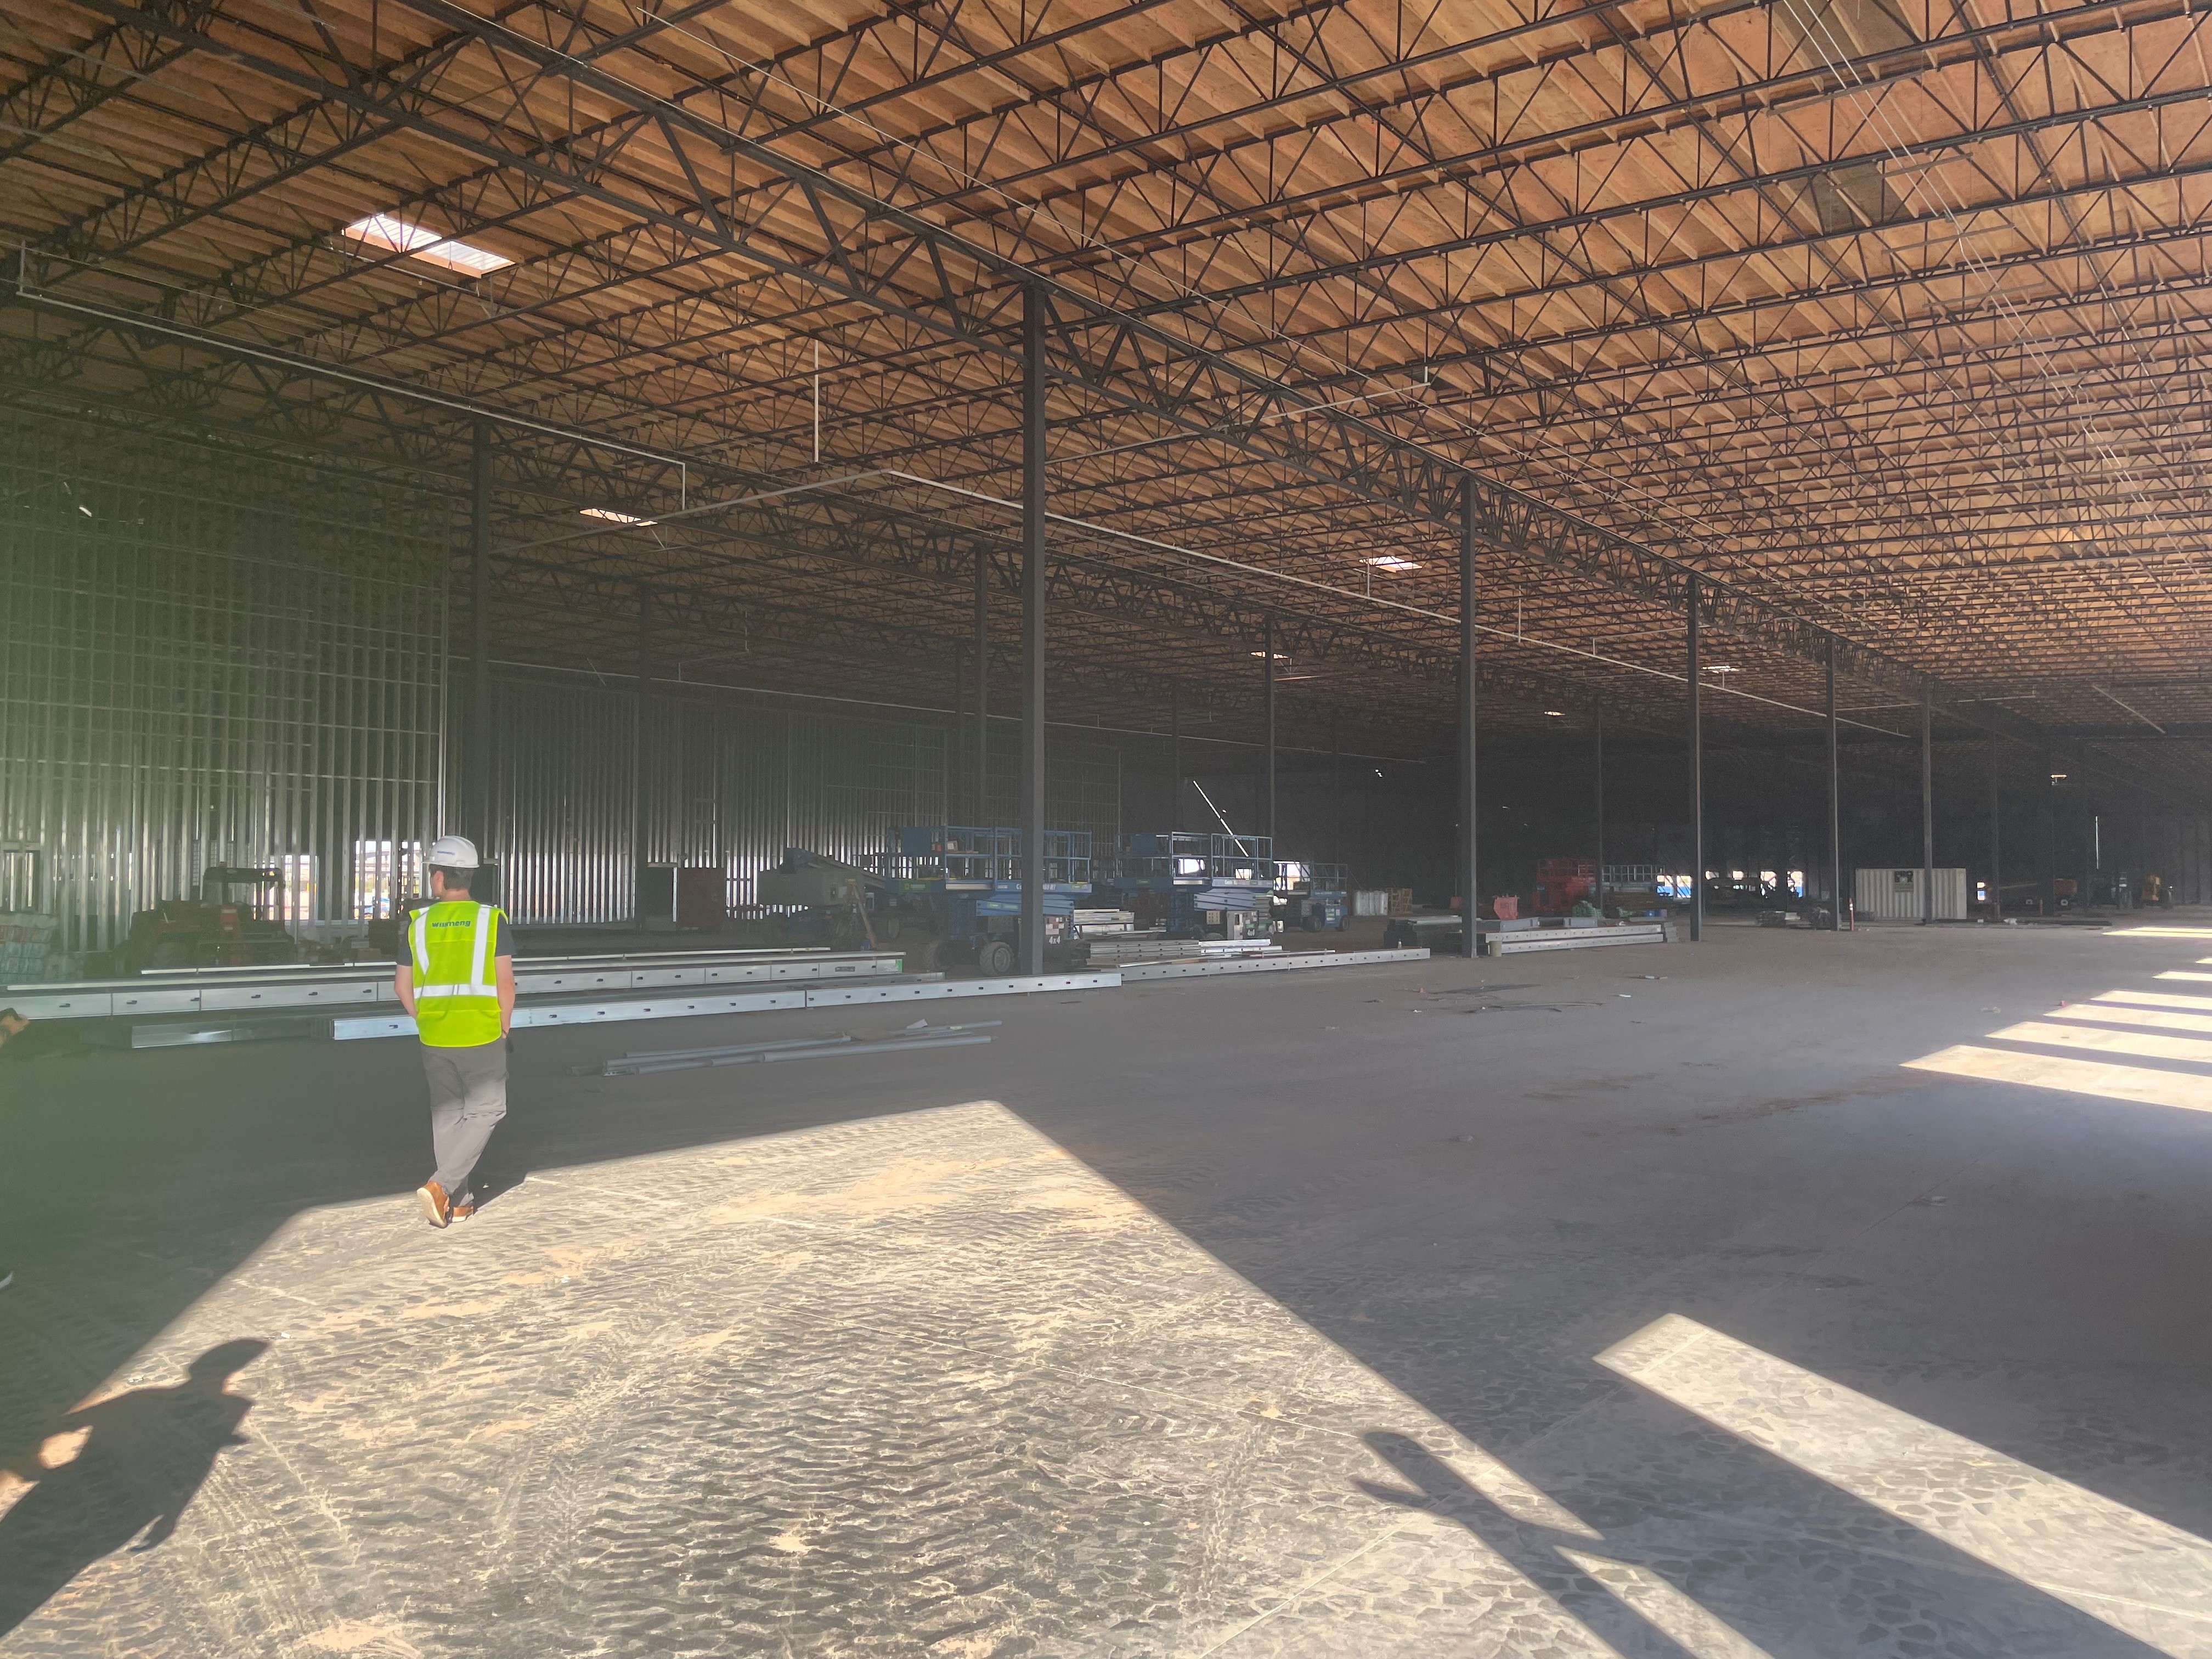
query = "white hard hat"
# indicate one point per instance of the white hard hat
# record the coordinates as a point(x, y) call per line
point(453, 853)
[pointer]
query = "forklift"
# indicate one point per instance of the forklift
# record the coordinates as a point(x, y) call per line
point(228, 926)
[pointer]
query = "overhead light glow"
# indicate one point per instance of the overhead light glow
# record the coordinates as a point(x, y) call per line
point(1720, 668)
point(1556, 714)
point(383, 230)
point(1279, 656)
point(1393, 561)
point(610, 515)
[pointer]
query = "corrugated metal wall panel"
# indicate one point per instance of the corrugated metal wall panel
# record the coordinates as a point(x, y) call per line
point(728, 784)
point(205, 663)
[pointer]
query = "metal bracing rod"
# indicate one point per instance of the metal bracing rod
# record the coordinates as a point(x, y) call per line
point(1927, 808)
point(1033, 592)
point(1109, 352)
point(1835, 803)
point(1470, 830)
point(1693, 676)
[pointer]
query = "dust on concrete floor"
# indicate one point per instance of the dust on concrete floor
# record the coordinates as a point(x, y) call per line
point(1242, 1317)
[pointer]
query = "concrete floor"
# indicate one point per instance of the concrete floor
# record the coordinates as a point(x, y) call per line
point(1641, 1302)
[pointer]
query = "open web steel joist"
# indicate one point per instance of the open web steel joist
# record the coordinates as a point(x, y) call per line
point(1884, 320)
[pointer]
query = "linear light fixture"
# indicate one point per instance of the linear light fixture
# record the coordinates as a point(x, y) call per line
point(610, 515)
point(418, 241)
point(1393, 561)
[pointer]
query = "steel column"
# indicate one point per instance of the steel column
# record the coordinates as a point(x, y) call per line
point(1336, 787)
point(2049, 796)
point(477, 794)
point(1597, 777)
point(637, 771)
point(1697, 776)
point(1835, 801)
point(1996, 862)
point(982, 774)
point(1927, 803)
point(1267, 814)
point(1174, 753)
point(1470, 885)
point(1033, 511)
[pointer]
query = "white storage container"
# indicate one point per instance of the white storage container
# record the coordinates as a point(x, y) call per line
point(1895, 894)
point(1371, 902)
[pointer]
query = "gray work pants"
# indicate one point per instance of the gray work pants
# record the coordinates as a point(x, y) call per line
point(468, 1097)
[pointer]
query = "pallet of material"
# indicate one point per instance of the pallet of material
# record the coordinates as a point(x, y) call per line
point(1573, 939)
point(1207, 968)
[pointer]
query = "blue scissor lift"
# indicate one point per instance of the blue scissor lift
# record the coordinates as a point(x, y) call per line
point(1313, 895)
point(957, 888)
point(1197, 884)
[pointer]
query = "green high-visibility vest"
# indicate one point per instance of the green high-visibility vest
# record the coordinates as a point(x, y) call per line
point(456, 975)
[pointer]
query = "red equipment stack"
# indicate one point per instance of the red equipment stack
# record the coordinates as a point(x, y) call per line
point(1562, 883)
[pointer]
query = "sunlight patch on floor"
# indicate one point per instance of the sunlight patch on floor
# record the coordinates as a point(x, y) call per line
point(2148, 1044)
point(2152, 999)
point(2136, 1084)
point(2128, 1569)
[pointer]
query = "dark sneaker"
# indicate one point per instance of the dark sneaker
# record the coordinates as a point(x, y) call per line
point(435, 1209)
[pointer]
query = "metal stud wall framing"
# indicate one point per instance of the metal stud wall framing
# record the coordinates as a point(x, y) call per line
point(205, 663)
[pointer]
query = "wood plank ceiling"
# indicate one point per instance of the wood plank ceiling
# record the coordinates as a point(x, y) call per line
point(1887, 318)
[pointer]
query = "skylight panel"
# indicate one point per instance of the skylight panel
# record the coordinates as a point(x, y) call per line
point(384, 230)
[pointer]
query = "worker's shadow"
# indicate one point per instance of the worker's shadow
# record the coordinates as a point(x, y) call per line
point(143, 1458)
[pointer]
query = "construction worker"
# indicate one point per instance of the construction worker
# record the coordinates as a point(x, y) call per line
point(456, 975)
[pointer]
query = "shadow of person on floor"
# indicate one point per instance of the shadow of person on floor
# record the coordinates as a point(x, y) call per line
point(142, 1462)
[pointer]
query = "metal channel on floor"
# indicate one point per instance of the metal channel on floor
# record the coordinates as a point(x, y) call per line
point(189, 1008)
point(1514, 944)
point(1209, 968)
point(295, 988)
point(610, 1010)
